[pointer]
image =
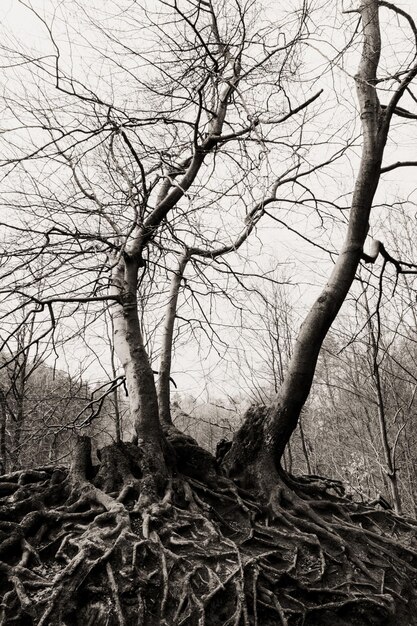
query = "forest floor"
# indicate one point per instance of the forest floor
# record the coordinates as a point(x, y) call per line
point(77, 546)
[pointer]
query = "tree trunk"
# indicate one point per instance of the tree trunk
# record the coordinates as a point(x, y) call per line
point(388, 451)
point(164, 393)
point(117, 416)
point(282, 417)
point(20, 397)
point(390, 466)
point(130, 349)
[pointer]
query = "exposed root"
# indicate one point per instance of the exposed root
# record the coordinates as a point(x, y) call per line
point(206, 553)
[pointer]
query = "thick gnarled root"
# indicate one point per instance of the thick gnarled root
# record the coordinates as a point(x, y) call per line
point(78, 547)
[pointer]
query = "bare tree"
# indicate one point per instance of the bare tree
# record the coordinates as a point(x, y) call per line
point(154, 141)
point(282, 418)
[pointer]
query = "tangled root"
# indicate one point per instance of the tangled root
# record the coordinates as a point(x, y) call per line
point(80, 547)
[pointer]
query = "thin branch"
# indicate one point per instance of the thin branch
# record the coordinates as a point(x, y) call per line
point(393, 166)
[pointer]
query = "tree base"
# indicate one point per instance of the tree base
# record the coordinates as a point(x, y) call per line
point(81, 547)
